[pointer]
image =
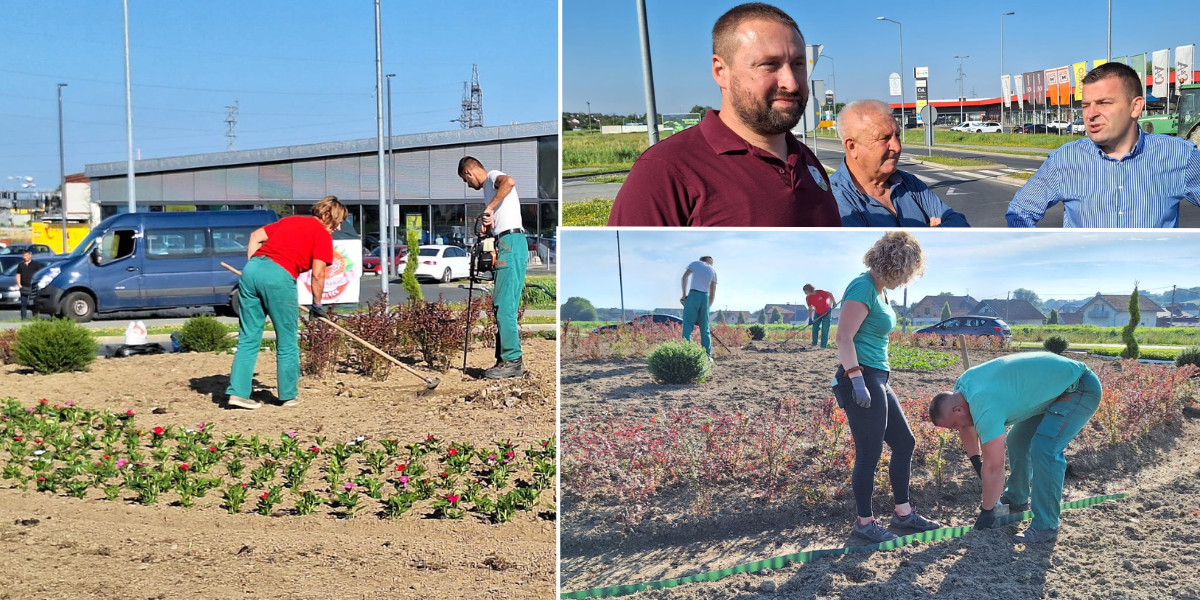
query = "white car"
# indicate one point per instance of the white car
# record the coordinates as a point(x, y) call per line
point(1078, 127)
point(444, 263)
point(966, 126)
point(1059, 125)
point(985, 127)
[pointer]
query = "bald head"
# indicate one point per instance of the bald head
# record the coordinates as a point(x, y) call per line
point(862, 113)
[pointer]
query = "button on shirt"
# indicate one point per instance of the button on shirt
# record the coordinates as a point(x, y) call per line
point(1012, 388)
point(914, 202)
point(707, 175)
point(1142, 189)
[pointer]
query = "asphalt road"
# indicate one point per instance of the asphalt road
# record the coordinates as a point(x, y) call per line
point(980, 195)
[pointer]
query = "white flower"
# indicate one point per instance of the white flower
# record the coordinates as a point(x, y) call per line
point(38, 452)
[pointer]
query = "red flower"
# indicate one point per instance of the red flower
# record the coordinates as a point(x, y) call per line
point(212, 448)
point(183, 467)
point(243, 486)
point(452, 498)
point(265, 494)
point(158, 431)
point(545, 443)
point(43, 401)
point(401, 467)
point(443, 475)
point(106, 457)
point(452, 451)
point(508, 454)
point(39, 441)
point(18, 438)
point(129, 413)
point(40, 478)
point(314, 449)
point(429, 438)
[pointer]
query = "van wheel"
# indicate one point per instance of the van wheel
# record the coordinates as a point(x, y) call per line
point(78, 307)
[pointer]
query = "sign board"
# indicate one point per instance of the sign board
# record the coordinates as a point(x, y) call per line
point(342, 278)
point(894, 84)
point(679, 121)
point(922, 89)
point(809, 121)
point(929, 114)
point(920, 72)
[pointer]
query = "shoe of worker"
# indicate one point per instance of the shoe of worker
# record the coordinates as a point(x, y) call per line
point(914, 521)
point(874, 532)
point(245, 403)
point(1014, 508)
point(1035, 536)
point(506, 369)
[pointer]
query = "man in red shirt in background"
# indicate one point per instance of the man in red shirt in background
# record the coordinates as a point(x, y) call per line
point(277, 254)
point(741, 166)
point(820, 305)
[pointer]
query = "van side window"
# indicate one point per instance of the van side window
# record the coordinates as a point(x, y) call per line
point(231, 241)
point(117, 245)
point(176, 243)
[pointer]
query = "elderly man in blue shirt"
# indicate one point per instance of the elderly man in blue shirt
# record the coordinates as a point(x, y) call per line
point(1118, 176)
point(870, 190)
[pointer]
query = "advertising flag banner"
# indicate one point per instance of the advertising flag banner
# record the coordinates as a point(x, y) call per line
point(1019, 87)
point(1098, 62)
point(1052, 85)
point(894, 88)
point(1123, 60)
point(1137, 62)
point(1184, 65)
point(1031, 89)
point(1160, 63)
point(1039, 90)
point(1064, 86)
point(1081, 70)
point(1006, 90)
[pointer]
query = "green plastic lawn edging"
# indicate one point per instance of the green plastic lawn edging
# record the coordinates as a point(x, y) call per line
point(778, 562)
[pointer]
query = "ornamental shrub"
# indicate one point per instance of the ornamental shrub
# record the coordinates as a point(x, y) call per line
point(432, 330)
point(1135, 315)
point(204, 334)
point(1056, 344)
point(757, 332)
point(409, 278)
point(679, 362)
point(1188, 356)
point(55, 346)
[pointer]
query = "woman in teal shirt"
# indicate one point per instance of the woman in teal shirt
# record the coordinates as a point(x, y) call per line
point(861, 382)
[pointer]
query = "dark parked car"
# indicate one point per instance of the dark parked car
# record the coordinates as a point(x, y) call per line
point(20, 249)
point(1034, 128)
point(971, 325)
point(10, 293)
point(642, 320)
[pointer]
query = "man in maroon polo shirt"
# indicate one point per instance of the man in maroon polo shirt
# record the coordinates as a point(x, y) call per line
point(740, 166)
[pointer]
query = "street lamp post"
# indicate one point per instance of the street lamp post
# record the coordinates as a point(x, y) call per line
point(960, 88)
point(383, 209)
point(62, 175)
point(833, 84)
point(1002, 15)
point(131, 189)
point(391, 197)
point(903, 119)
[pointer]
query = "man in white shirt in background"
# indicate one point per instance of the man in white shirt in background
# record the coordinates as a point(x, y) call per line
point(503, 216)
point(697, 298)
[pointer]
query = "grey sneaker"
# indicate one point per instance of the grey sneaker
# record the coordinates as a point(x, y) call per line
point(506, 369)
point(914, 521)
point(873, 531)
point(1014, 508)
point(1035, 536)
point(245, 403)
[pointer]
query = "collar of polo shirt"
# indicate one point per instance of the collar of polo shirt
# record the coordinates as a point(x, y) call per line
point(723, 140)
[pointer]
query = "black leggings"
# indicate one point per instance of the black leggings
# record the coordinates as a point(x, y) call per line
point(871, 427)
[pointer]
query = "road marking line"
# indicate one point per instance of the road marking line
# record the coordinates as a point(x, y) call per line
point(927, 180)
point(993, 173)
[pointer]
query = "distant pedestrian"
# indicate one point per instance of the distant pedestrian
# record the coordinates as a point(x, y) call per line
point(820, 305)
point(25, 273)
point(698, 295)
point(276, 255)
point(861, 384)
point(1119, 176)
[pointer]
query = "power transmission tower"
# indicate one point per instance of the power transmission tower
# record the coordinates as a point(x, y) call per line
point(471, 114)
point(231, 116)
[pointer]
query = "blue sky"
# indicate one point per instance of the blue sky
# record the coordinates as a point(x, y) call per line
point(602, 60)
point(757, 267)
point(301, 71)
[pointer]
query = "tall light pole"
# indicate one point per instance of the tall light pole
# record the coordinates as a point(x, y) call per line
point(1002, 15)
point(391, 197)
point(960, 87)
point(833, 84)
point(1109, 57)
point(903, 119)
point(384, 267)
point(131, 190)
point(647, 74)
point(62, 173)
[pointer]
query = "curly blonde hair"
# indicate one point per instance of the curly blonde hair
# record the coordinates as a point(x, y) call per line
point(896, 259)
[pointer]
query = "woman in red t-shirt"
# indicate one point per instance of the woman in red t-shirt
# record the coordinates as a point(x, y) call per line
point(277, 254)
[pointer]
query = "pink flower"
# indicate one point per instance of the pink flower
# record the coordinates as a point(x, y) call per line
point(291, 434)
point(349, 485)
point(452, 498)
point(129, 413)
point(508, 454)
point(158, 431)
point(404, 480)
point(121, 462)
point(201, 427)
point(70, 403)
point(30, 410)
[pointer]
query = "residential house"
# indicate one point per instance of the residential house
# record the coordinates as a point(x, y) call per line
point(929, 310)
point(1013, 312)
point(1177, 316)
point(793, 314)
point(1070, 318)
point(1112, 310)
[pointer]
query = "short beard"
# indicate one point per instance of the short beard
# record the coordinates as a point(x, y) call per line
point(762, 118)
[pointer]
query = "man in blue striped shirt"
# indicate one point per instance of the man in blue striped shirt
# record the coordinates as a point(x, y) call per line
point(870, 190)
point(1119, 176)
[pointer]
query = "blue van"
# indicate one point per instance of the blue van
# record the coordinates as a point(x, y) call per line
point(145, 261)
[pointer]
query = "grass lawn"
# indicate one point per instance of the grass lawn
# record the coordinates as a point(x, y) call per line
point(608, 179)
point(1022, 175)
point(952, 161)
point(589, 213)
point(609, 152)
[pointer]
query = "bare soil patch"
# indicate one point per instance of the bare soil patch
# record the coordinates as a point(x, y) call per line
point(60, 547)
point(1139, 547)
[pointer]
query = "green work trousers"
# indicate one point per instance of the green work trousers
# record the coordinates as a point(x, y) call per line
point(1037, 446)
point(266, 289)
point(820, 325)
point(512, 256)
point(695, 314)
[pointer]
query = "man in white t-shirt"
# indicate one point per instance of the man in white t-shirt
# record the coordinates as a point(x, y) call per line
point(503, 216)
point(696, 299)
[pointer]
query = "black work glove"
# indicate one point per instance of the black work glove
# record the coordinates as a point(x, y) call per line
point(985, 519)
point(316, 312)
point(977, 462)
point(861, 396)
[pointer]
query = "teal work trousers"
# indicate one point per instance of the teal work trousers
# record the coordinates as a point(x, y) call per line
point(1037, 450)
point(266, 289)
point(512, 257)
point(695, 313)
point(821, 325)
